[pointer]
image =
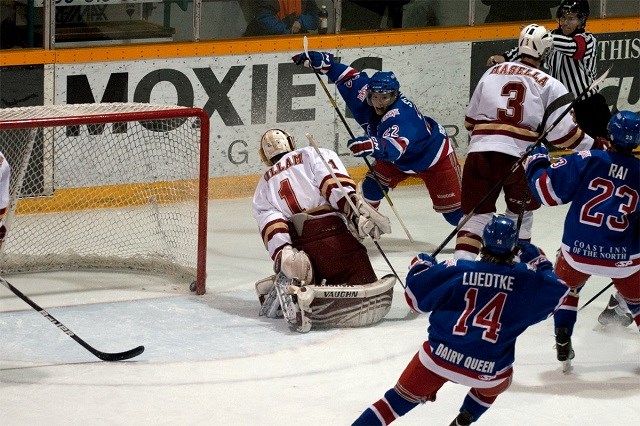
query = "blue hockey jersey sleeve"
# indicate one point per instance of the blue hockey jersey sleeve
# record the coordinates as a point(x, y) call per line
point(428, 285)
point(407, 138)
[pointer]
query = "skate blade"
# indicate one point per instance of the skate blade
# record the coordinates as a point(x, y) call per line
point(566, 366)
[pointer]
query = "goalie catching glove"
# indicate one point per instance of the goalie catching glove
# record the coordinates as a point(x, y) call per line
point(366, 220)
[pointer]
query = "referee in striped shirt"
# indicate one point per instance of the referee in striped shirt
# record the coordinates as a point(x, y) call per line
point(573, 62)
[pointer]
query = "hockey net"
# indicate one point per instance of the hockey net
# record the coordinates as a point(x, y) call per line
point(107, 187)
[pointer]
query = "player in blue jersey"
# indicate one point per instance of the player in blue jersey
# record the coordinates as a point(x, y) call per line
point(402, 140)
point(602, 228)
point(478, 310)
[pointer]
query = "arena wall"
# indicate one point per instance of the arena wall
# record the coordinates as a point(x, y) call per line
point(248, 86)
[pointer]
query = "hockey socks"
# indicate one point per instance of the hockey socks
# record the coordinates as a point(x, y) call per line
point(453, 217)
point(476, 404)
point(386, 410)
point(567, 313)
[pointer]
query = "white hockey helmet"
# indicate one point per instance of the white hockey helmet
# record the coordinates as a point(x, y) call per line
point(273, 143)
point(535, 41)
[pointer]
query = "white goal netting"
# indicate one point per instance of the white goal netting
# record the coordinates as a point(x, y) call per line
point(106, 186)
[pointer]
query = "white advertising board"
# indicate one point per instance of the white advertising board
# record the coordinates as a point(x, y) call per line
point(247, 94)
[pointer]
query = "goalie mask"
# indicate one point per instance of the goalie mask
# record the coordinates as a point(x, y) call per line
point(274, 144)
point(535, 41)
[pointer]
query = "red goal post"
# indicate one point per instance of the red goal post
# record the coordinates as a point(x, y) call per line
point(111, 186)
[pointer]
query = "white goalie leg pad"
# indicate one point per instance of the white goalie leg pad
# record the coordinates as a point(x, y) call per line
point(269, 303)
point(297, 317)
point(295, 264)
point(352, 306)
point(263, 287)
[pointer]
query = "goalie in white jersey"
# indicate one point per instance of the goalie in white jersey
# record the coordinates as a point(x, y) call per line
point(5, 177)
point(507, 112)
point(324, 275)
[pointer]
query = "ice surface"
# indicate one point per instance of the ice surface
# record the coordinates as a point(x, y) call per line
point(211, 360)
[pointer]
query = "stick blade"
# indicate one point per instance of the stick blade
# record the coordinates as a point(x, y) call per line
point(119, 356)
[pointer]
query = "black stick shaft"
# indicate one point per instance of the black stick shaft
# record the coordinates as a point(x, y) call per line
point(596, 296)
point(105, 356)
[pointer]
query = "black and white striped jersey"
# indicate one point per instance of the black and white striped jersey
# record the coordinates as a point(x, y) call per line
point(572, 60)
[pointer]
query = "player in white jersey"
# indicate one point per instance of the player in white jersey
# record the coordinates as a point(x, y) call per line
point(308, 224)
point(5, 177)
point(507, 112)
point(573, 61)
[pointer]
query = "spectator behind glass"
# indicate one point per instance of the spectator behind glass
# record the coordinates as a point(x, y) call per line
point(420, 13)
point(519, 10)
point(368, 14)
point(283, 17)
point(8, 37)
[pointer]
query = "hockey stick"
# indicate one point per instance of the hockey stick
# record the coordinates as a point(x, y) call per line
point(596, 296)
point(105, 356)
point(346, 125)
point(521, 160)
point(525, 200)
point(349, 200)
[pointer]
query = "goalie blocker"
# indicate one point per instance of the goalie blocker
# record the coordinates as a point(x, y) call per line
point(325, 306)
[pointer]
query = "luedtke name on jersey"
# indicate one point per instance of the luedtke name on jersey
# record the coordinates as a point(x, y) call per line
point(487, 279)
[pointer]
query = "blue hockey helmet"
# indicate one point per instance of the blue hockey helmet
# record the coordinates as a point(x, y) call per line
point(386, 86)
point(384, 82)
point(624, 130)
point(500, 236)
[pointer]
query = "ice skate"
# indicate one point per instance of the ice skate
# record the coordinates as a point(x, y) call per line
point(464, 419)
point(614, 314)
point(564, 349)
